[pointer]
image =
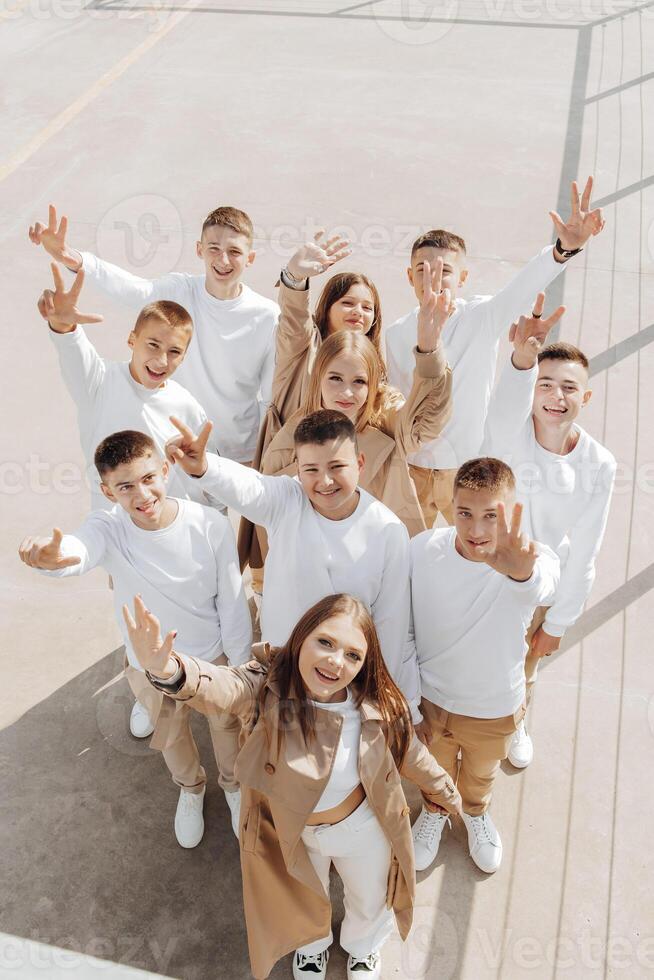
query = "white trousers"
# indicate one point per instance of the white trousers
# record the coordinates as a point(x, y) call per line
point(361, 854)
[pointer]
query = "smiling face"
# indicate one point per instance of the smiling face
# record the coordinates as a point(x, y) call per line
point(454, 269)
point(329, 474)
point(475, 519)
point(157, 351)
point(344, 385)
point(139, 487)
point(226, 255)
point(331, 657)
point(561, 392)
point(355, 310)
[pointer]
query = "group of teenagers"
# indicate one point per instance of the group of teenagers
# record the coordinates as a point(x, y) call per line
point(390, 647)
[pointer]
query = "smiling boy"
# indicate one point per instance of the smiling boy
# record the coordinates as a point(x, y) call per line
point(564, 478)
point(181, 558)
point(115, 395)
point(230, 363)
point(325, 534)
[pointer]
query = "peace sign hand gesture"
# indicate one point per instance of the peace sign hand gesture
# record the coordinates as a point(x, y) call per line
point(145, 636)
point(529, 333)
point(435, 307)
point(59, 307)
point(53, 239)
point(189, 450)
point(45, 553)
point(582, 223)
point(317, 256)
point(513, 555)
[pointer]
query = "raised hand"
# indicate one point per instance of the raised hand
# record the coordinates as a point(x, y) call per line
point(145, 637)
point(582, 223)
point(513, 555)
point(317, 256)
point(529, 333)
point(59, 307)
point(53, 239)
point(45, 553)
point(435, 307)
point(187, 449)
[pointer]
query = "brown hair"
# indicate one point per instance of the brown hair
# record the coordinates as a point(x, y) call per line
point(166, 312)
point(122, 447)
point(381, 396)
point(334, 289)
point(323, 426)
point(485, 473)
point(563, 352)
point(227, 217)
point(372, 683)
point(438, 238)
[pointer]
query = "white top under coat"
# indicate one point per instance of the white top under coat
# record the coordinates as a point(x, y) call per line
point(344, 776)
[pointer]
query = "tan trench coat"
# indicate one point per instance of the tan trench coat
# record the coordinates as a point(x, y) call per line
point(386, 475)
point(285, 904)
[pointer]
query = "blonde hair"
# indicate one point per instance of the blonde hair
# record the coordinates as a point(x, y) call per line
point(381, 396)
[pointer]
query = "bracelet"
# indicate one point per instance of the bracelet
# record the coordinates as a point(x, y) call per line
point(567, 253)
point(291, 281)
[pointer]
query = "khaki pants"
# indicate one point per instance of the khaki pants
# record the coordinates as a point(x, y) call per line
point(181, 753)
point(482, 742)
point(435, 489)
point(531, 662)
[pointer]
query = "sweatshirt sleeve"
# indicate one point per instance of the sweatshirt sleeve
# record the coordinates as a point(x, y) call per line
point(539, 590)
point(516, 297)
point(585, 539)
point(233, 612)
point(82, 368)
point(261, 499)
point(509, 410)
point(436, 786)
point(130, 290)
point(428, 407)
point(88, 543)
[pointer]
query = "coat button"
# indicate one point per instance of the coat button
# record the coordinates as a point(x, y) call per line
point(406, 810)
point(269, 768)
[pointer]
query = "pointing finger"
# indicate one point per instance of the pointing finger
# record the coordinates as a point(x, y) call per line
point(184, 429)
point(516, 518)
point(57, 537)
point(203, 438)
point(585, 197)
point(574, 198)
point(76, 288)
point(58, 278)
point(63, 227)
point(127, 616)
point(554, 317)
point(539, 305)
point(52, 218)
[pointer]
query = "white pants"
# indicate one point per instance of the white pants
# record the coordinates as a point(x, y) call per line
point(361, 854)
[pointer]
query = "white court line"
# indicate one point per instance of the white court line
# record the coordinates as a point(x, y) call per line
point(74, 109)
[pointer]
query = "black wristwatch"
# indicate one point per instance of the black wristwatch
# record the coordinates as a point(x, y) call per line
point(567, 253)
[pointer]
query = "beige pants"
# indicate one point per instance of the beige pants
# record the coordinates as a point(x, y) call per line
point(482, 742)
point(181, 753)
point(435, 489)
point(531, 662)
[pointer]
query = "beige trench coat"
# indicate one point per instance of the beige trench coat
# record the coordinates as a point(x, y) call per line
point(285, 904)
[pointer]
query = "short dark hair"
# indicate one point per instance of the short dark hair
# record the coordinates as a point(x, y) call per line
point(166, 312)
point(233, 218)
point(323, 426)
point(438, 238)
point(122, 447)
point(563, 352)
point(484, 473)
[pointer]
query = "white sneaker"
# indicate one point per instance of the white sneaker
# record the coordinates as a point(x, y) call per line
point(366, 969)
point(310, 967)
point(234, 804)
point(484, 842)
point(189, 820)
point(140, 723)
point(426, 833)
point(521, 751)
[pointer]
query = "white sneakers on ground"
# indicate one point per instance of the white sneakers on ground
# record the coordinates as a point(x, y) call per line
point(521, 751)
point(310, 967)
point(426, 835)
point(234, 804)
point(189, 818)
point(140, 723)
point(484, 842)
point(366, 969)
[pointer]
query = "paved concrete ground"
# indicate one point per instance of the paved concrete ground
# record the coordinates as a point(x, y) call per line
point(475, 114)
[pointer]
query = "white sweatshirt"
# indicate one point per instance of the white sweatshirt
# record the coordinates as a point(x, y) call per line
point(108, 400)
point(230, 362)
point(566, 498)
point(309, 556)
point(471, 340)
point(469, 623)
point(187, 573)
